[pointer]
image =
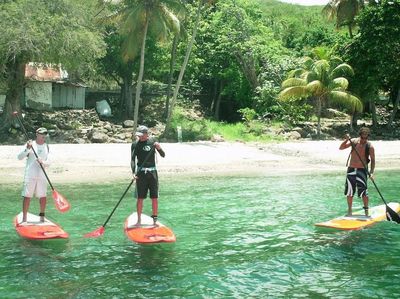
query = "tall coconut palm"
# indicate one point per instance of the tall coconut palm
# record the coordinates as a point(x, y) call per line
point(344, 12)
point(183, 68)
point(323, 80)
point(137, 18)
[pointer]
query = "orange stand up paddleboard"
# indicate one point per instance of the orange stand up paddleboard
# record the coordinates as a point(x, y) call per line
point(34, 229)
point(358, 220)
point(147, 233)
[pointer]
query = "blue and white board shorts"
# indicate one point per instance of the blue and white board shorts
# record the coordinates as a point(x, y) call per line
point(34, 186)
point(356, 178)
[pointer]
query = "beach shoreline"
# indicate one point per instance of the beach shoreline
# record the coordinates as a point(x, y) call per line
point(84, 163)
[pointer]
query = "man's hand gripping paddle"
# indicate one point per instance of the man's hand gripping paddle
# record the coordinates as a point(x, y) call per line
point(390, 214)
point(60, 201)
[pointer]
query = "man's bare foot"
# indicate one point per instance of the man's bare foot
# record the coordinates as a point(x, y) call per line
point(138, 224)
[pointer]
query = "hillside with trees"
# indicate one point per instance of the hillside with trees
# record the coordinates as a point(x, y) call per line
point(239, 69)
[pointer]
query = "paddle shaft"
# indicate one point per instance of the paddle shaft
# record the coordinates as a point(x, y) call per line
point(116, 206)
point(366, 169)
point(34, 152)
point(126, 190)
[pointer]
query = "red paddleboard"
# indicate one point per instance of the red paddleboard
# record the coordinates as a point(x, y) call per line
point(34, 229)
point(147, 233)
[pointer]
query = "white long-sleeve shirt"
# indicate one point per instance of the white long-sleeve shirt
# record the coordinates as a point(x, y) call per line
point(32, 168)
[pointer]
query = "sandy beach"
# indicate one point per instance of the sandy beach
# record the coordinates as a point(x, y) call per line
point(110, 162)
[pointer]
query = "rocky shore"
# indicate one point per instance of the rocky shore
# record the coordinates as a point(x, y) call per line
point(85, 126)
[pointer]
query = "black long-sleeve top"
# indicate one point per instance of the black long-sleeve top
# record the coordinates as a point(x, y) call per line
point(144, 151)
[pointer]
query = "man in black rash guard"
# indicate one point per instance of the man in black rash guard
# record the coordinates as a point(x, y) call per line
point(146, 173)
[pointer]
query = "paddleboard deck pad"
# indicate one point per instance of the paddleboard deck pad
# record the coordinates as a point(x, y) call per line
point(34, 229)
point(147, 233)
point(358, 220)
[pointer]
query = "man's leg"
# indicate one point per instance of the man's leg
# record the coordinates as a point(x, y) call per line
point(349, 205)
point(365, 201)
point(154, 205)
point(25, 207)
point(139, 209)
point(42, 208)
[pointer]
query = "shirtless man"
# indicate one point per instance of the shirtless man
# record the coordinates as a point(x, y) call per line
point(356, 173)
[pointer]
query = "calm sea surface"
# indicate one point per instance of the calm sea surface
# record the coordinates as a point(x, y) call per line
point(237, 237)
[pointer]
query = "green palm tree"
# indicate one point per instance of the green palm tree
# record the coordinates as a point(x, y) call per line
point(200, 5)
point(323, 80)
point(137, 18)
point(344, 12)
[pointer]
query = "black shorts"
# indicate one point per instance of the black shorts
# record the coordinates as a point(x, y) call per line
point(147, 181)
point(356, 178)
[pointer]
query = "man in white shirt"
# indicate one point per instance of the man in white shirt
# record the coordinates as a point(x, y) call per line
point(35, 180)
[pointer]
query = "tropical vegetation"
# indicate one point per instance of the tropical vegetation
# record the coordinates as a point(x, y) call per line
point(242, 62)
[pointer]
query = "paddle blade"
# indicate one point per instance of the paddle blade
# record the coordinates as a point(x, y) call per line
point(61, 202)
point(392, 215)
point(96, 233)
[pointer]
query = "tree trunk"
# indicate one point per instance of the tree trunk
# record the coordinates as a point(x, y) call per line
point(140, 76)
point(395, 108)
point(126, 97)
point(353, 121)
point(248, 66)
point(15, 70)
point(171, 74)
point(350, 30)
point(319, 111)
point(214, 95)
point(183, 68)
point(372, 107)
point(218, 101)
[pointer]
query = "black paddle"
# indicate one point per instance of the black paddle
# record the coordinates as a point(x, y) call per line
point(60, 201)
point(390, 214)
point(100, 231)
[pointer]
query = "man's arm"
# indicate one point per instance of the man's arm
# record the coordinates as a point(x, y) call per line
point(25, 152)
point(133, 158)
point(372, 158)
point(346, 142)
point(159, 149)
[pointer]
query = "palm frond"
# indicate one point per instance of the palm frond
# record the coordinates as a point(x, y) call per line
point(307, 63)
point(293, 93)
point(334, 61)
point(330, 10)
point(316, 87)
point(292, 82)
point(321, 66)
point(171, 21)
point(340, 83)
point(130, 17)
point(296, 73)
point(322, 52)
point(342, 70)
point(346, 100)
point(310, 76)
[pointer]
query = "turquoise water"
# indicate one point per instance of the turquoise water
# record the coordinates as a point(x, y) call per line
point(237, 237)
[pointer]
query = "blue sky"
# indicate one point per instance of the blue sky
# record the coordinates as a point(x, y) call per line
point(307, 2)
